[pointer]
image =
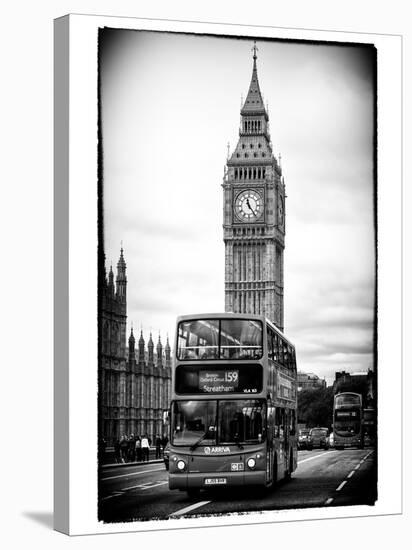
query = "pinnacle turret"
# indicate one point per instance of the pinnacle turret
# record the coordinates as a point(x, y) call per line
point(150, 347)
point(167, 352)
point(141, 349)
point(111, 280)
point(167, 346)
point(131, 345)
point(121, 280)
point(159, 352)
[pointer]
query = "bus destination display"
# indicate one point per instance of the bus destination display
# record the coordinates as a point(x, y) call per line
point(218, 381)
point(346, 414)
point(192, 379)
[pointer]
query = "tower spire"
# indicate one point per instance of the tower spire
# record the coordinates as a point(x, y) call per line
point(131, 346)
point(121, 279)
point(255, 49)
point(254, 101)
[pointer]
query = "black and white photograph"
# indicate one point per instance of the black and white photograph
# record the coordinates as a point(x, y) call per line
point(237, 275)
point(205, 284)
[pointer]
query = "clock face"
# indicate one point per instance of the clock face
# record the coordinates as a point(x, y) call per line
point(249, 205)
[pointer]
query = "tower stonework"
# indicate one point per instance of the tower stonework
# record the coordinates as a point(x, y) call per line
point(254, 215)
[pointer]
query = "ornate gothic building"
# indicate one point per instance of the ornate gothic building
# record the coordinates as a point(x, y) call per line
point(254, 215)
point(134, 385)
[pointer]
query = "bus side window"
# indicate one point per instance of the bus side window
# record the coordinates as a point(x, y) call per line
point(292, 428)
point(285, 354)
point(270, 343)
point(281, 354)
point(282, 423)
point(275, 347)
point(290, 358)
point(293, 366)
point(277, 422)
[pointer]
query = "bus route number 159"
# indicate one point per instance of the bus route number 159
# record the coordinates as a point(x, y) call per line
point(231, 376)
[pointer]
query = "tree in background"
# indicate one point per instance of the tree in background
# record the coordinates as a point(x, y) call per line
point(315, 407)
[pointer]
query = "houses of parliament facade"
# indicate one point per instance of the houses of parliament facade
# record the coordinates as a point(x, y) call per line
point(134, 380)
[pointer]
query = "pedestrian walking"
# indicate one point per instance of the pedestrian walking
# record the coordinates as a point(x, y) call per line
point(138, 449)
point(124, 445)
point(145, 448)
point(158, 445)
point(131, 448)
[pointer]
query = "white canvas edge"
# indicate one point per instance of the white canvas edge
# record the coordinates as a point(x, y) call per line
point(81, 469)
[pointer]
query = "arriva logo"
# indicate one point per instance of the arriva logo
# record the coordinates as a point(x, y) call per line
point(213, 450)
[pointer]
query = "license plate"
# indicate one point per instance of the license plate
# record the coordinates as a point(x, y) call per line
point(237, 466)
point(215, 481)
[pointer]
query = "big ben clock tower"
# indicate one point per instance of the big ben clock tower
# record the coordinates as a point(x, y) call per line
point(254, 216)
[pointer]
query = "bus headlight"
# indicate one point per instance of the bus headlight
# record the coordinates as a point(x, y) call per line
point(251, 463)
point(181, 465)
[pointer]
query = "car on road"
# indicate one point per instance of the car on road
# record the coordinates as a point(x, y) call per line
point(318, 439)
point(303, 438)
point(166, 453)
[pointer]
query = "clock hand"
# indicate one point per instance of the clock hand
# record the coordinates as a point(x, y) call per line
point(250, 208)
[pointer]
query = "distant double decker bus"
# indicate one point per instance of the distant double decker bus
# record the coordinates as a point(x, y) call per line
point(347, 420)
point(233, 410)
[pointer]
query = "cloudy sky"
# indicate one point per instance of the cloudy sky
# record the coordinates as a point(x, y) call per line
point(170, 106)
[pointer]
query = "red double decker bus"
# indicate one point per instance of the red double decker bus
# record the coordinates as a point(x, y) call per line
point(233, 410)
point(347, 420)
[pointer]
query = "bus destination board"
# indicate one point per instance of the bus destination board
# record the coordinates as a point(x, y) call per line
point(218, 381)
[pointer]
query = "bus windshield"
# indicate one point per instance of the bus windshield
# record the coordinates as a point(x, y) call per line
point(347, 399)
point(215, 422)
point(347, 422)
point(206, 339)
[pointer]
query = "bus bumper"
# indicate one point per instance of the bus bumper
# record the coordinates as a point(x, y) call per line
point(205, 480)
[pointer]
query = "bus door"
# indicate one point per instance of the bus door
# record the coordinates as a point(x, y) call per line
point(282, 433)
point(270, 436)
point(286, 424)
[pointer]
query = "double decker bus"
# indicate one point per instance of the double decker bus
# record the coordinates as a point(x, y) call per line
point(347, 420)
point(233, 411)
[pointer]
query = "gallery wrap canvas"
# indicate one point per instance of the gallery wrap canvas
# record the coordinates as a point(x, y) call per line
point(247, 179)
